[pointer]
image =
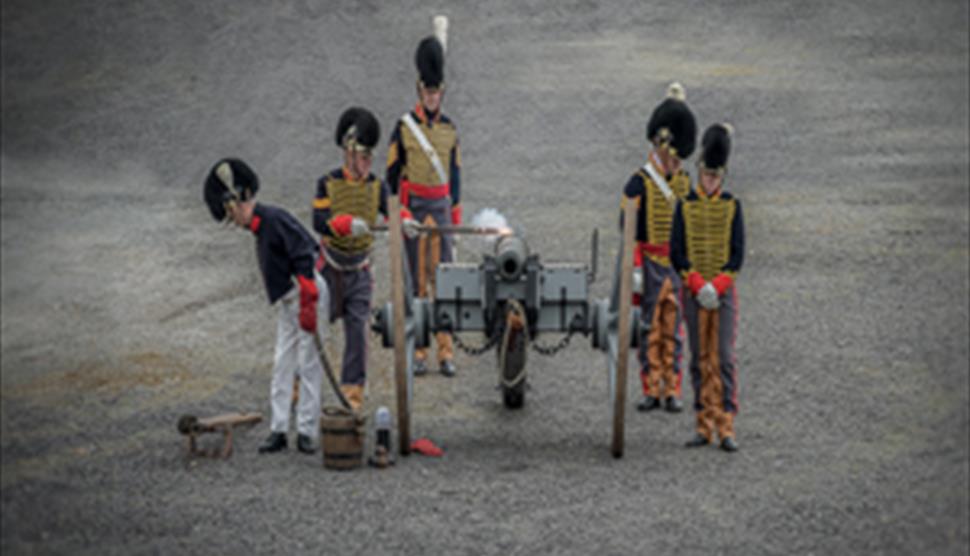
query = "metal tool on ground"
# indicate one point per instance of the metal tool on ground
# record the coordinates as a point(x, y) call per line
point(193, 427)
point(512, 298)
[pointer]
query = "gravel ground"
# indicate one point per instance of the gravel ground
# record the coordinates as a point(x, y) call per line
point(124, 306)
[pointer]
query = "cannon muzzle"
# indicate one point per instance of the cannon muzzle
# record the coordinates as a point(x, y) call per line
point(510, 254)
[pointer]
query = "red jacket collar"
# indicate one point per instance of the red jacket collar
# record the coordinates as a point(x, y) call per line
point(423, 115)
point(348, 175)
point(703, 194)
point(254, 224)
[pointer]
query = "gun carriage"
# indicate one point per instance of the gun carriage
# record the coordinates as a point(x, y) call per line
point(512, 297)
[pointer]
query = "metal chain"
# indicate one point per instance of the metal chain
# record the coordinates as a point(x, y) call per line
point(476, 351)
point(553, 349)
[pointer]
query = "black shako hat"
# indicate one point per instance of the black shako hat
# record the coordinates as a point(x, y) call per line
point(716, 147)
point(430, 61)
point(672, 123)
point(358, 130)
point(229, 180)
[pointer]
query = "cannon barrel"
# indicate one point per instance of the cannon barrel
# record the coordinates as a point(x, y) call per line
point(510, 254)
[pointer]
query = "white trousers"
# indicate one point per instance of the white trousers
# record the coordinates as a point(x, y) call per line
point(295, 351)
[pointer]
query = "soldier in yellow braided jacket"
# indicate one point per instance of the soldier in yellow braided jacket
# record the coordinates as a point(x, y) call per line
point(424, 169)
point(707, 249)
point(347, 202)
point(672, 134)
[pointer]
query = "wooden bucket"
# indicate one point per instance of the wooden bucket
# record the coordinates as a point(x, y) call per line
point(342, 434)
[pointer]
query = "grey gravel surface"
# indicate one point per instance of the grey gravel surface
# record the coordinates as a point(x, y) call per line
point(124, 305)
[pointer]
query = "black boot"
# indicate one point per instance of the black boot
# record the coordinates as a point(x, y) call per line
point(648, 403)
point(420, 369)
point(304, 444)
point(698, 441)
point(275, 442)
point(448, 368)
point(729, 445)
point(674, 405)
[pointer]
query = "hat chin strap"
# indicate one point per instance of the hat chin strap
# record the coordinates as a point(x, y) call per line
point(722, 171)
point(422, 86)
point(228, 206)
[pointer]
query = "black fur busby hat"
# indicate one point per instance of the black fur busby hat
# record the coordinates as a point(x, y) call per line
point(358, 130)
point(430, 61)
point(672, 123)
point(716, 147)
point(229, 180)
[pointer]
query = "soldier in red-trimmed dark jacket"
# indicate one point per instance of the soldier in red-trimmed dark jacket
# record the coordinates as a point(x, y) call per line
point(286, 254)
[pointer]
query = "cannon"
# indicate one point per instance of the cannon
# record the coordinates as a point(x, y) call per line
point(512, 298)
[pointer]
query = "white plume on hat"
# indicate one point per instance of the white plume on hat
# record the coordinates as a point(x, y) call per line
point(676, 91)
point(224, 172)
point(440, 23)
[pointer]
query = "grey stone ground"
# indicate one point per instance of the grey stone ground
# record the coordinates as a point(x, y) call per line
point(124, 306)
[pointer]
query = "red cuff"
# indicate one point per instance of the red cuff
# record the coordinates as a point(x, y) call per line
point(340, 224)
point(308, 288)
point(638, 255)
point(722, 282)
point(254, 223)
point(308, 303)
point(406, 214)
point(695, 282)
point(456, 215)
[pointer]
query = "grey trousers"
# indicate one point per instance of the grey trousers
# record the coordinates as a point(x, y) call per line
point(350, 299)
point(727, 328)
point(440, 211)
point(654, 275)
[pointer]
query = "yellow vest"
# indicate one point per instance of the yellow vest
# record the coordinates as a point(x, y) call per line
point(707, 229)
point(419, 169)
point(356, 198)
point(660, 213)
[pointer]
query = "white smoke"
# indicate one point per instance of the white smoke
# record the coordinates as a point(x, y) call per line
point(487, 218)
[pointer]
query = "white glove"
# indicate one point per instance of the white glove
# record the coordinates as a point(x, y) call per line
point(411, 228)
point(359, 227)
point(707, 297)
point(637, 283)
